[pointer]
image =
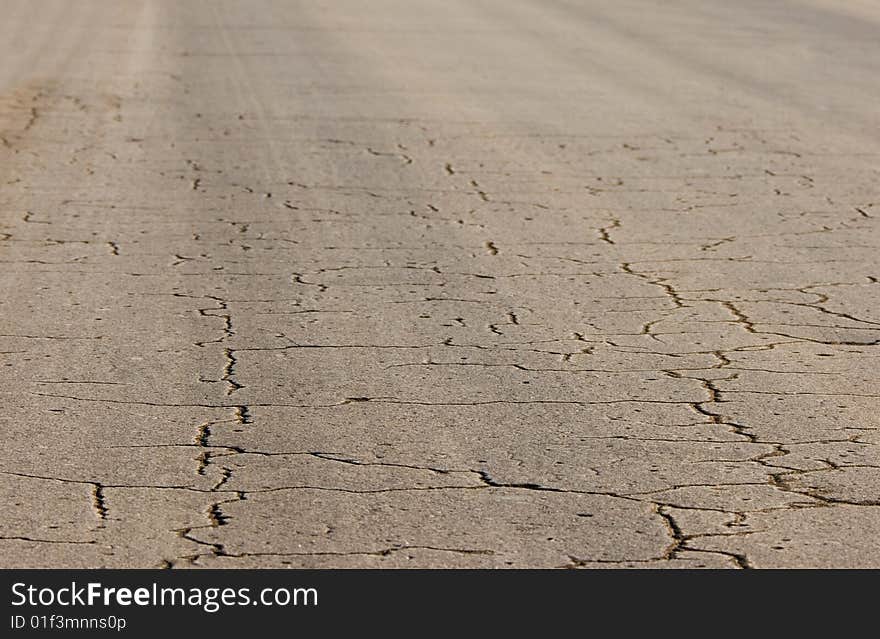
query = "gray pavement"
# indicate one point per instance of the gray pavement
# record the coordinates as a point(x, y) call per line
point(466, 283)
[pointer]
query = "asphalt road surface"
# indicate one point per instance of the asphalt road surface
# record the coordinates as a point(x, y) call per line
point(463, 283)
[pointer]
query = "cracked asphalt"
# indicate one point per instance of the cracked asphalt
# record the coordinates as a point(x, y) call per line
point(520, 283)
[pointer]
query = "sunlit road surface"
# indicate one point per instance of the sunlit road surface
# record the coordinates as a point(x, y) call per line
point(519, 283)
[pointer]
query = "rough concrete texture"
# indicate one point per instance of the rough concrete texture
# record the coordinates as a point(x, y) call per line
point(492, 283)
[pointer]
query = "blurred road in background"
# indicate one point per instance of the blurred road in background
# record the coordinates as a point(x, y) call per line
point(520, 283)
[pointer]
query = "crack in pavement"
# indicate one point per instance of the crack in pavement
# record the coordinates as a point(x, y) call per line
point(480, 331)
